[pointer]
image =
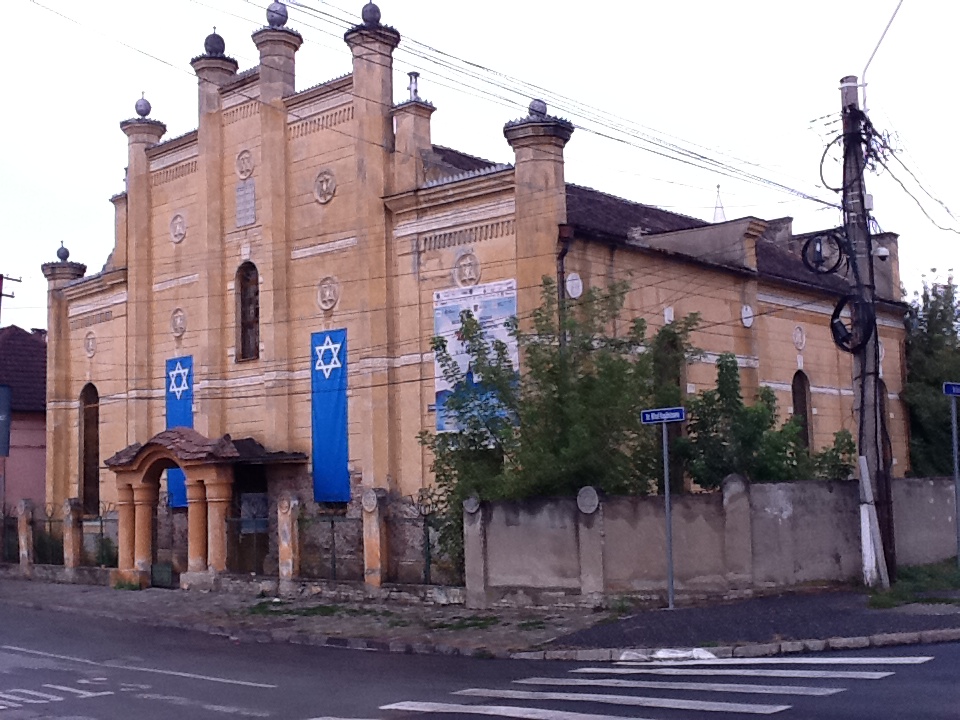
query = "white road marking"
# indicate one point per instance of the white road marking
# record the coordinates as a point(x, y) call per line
point(133, 668)
point(672, 703)
point(893, 660)
point(685, 686)
point(745, 672)
point(81, 693)
point(494, 710)
point(33, 697)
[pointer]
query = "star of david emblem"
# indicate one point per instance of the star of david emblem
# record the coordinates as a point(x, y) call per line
point(178, 388)
point(321, 350)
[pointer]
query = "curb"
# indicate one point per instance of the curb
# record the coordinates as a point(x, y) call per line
point(745, 650)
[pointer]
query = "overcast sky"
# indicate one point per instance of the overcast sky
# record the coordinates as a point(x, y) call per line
point(752, 83)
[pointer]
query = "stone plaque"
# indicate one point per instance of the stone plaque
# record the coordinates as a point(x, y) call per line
point(244, 164)
point(471, 504)
point(178, 228)
point(178, 322)
point(328, 293)
point(746, 316)
point(90, 344)
point(246, 203)
point(466, 271)
point(369, 500)
point(574, 285)
point(324, 187)
point(799, 338)
point(588, 500)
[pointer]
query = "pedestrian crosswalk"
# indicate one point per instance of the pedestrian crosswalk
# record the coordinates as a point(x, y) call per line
point(676, 689)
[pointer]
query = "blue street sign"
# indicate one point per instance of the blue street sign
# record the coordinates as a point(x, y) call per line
point(662, 415)
point(951, 389)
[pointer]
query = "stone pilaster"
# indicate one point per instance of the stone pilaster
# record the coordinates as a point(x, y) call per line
point(144, 505)
point(288, 541)
point(72, 534)
point(475, 553)
point(219, 494)
point(25, 536)
point(590, 537)
point(374, 537)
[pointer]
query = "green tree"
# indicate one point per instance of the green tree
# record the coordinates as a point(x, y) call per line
point(572, 418)
point(726, 436)
point(933, 357)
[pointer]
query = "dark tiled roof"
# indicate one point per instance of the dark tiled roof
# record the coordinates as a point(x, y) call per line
point(23, 366)
point(590, 209)
point(459, 161)
point(187, 445)
point(778, 256)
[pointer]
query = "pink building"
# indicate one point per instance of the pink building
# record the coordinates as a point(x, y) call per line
point(23, 366)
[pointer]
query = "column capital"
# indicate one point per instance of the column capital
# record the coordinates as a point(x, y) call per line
point(145, 494)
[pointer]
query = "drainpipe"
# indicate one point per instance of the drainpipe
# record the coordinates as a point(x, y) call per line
point(565, 237)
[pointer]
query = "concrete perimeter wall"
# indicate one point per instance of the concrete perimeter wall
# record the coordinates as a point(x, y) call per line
point(731, 543)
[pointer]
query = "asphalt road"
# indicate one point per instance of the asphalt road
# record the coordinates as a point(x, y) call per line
point(71, 667)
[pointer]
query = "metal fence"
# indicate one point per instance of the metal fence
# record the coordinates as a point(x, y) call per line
point(331, 544)
point(100, 538)
point(412, 536)
point(9, 540)
point(47, 525)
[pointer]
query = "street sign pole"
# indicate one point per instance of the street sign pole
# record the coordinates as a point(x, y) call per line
point(952, 389)
point(956, 474)
point(666, 500)
point(662, 416)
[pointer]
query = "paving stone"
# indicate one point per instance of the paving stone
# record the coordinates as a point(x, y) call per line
point(756, 650)
point(848, 643)
point(723, 651)
point(884, 639)
point(814, 645)
point(792, 646)
point(599, 655)
point(945, 635)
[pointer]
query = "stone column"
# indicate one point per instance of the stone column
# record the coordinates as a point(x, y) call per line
point(25, 536)
point(219, 495)
point(288, 541)
point(196, 527)
point(475, 553)
point(144, 504)
point(590, 541)
point(72, 534)
point(125, 528)
point(374, 538)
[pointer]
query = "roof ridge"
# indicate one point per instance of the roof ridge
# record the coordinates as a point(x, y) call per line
point(460, 152)
point(634, 202)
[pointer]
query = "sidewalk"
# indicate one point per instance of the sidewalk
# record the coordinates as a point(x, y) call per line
point(760, 626)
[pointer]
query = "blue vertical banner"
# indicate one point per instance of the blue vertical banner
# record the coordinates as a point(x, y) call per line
point(179, 397)
point(328, 412)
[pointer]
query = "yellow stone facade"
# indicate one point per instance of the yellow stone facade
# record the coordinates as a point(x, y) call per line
point(354, 220)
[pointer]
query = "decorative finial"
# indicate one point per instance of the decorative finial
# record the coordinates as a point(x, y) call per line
point(277, 15)
point(143, 106)
point(62, 252)
point(719, 214)
point(370, 14)
point(412, 87)
point(214, 44)
point(538, 109)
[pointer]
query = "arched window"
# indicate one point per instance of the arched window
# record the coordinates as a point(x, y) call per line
point(248, 312)
point(801, 405)
point(90, 450)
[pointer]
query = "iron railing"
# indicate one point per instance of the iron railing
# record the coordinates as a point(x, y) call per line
point(248, 533)
point(100, 538)
point(9, 537)
point(47, 525)
point(330, 544)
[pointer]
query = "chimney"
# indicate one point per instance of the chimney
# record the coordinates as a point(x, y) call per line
point(412, 131)
point(278, 47)
point(541, 197)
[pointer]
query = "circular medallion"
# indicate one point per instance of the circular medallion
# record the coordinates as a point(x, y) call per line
point(90, 344)
point(244, 164)
point(328, 293)
point(178, 322)
point(471, 504)
point(799, 338)
point(746, 316)
point(369, 501)
point(588, 500)
point(178, 228)
point(574, 285)
point(324, 187)
point(466, 271)
point(283, 504)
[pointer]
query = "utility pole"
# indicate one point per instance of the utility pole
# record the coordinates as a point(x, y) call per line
point(2, 293)
point(866, 372)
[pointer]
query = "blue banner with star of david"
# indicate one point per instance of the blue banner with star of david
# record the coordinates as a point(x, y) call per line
point(179, 395)
point(328, 411)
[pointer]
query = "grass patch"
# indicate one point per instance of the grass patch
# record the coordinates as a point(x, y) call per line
point(532, 625)
point(125, 585)
point(477, 622)
point(920, 584)
point(268, 607)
